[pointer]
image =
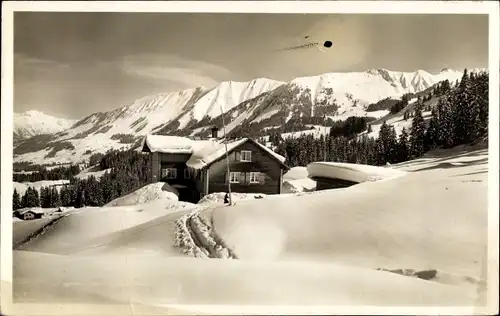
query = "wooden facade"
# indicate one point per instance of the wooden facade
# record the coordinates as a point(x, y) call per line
point(267, 171)
point(252, 170)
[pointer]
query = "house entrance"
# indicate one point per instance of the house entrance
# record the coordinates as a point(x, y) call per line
point(188, 195)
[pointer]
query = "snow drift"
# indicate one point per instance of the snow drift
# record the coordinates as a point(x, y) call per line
point(146, 194)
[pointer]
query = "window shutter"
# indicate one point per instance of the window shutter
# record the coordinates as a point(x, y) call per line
point(262, 178)
point(247, 178)
point(227, 177)
point(242, 177)
point(237, 155)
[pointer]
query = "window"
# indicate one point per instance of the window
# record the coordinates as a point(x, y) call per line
point(187, 174)
point(246, 155)
point(254, 177)
point(234, 177)
point(169, 173)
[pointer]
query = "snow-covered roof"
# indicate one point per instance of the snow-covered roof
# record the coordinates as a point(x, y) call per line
point(32, 209)
point(351, 172)
point(168, 144)
point(205, 155)
point(203, 152)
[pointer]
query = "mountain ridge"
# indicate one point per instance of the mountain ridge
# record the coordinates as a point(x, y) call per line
point(33, 122)
point(261, 103)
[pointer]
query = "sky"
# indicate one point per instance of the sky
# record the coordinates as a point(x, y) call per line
point(74, 64)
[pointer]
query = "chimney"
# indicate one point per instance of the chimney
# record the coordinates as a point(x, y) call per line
point(214, 132)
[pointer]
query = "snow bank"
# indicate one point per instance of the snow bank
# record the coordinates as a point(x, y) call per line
point(296, 180)
point(148, 193)
point(352, 172)
point(109, 230)
point(218, 198)
point(296, 173)
point(23, 229)
point(299, 185)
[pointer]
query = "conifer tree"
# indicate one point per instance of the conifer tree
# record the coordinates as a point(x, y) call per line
point(55, 198)
point(403, 148)
point(44, 202)
point(432, 133)
point(16, 200)
point(417, 135)
point(446, 124)
point(462, 114)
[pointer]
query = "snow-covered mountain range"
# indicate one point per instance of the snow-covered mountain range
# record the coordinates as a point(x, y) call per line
point(32, 123)
point(256, 105)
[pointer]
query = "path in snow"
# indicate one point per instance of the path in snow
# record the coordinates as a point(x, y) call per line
point(198, 239)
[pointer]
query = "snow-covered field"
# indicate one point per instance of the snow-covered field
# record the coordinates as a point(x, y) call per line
point(92, 171)
point(320, 249)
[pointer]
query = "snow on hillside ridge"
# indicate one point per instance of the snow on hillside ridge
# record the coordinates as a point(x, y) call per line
point(21, 187)
point(32, 123)
point(92, 171)
point(226, 96)
point(172, 112)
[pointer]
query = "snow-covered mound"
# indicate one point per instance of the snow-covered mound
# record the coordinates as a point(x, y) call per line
point(32, 123)
point(297, 180)
point(299, 185)
point(352, 172)
point(21, 187)
point(146, 194)
point(296, 173)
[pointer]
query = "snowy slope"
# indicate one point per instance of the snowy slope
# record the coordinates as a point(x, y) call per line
point(256, 105)
point(318, 249)
point(31, 123)
point(21, 187)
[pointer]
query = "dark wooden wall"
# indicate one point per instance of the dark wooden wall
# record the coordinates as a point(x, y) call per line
point(328, 183)
point(261, 162)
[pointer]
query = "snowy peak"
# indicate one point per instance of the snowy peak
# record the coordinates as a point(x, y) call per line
point(229, 94)
point(32, 123)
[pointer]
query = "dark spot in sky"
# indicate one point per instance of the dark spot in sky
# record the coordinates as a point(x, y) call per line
point(327, 44)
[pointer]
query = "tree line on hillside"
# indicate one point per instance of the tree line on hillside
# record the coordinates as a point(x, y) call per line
point(59, 173)
point(129, 170)
point(460, 117)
